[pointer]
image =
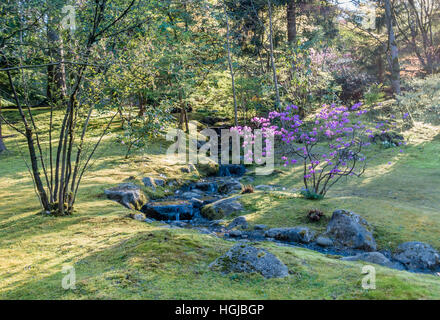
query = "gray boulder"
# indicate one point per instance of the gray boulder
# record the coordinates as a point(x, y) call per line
point(127, 194)
point(235, 233)
point(196, 203)
point(372, 257)
point(417, 256)
point(190, 195)
point(159, 182)
point(209, 187)
point(238, 222)
point(324, 241)
point(227, 170)
point(169, 210)
point(248, 259)
point(351, 230)
point(229, 185)
point(149, 182)
point(222, 208)
point(295, 234)
point(260, 227)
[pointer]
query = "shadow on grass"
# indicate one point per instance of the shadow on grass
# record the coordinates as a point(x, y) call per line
point(123, 269)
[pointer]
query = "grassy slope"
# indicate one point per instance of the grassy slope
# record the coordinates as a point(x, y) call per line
point(118, 258)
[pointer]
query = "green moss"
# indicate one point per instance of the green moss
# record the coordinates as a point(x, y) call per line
point(207, 169)
point(119, 258)
point(211, 213)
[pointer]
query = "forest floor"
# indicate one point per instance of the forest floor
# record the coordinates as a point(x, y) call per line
point(119, 258)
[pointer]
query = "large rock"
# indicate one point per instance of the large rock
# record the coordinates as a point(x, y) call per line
point(244, 258)
point(239, 222)
point(227, 170)
point(159, 182)
point(372, 257)
point(351, 230)
point(153, 183)
point(222, 208)
point(417, 256)
point(149, 182)
point(169, 210)
point(191, 195)
point(228, 186)
point(295, 234)
point(127, 194)
point(208, 187)
point(324, 241)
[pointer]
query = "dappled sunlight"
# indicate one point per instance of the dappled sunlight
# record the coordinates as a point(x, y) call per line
point(91, 102)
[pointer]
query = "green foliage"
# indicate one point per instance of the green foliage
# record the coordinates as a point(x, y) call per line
point(311, 195)
point(140, 130)
point(307, 82)
point(374, 94)
point(422, 98)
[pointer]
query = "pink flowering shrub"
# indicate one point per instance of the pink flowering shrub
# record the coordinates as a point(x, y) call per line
point(327, 149)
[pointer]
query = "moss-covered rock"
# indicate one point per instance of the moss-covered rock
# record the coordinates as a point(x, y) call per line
point(222, 208)
point(210, 168)
point(351, 230)
point(127, 194)
point(244, 258)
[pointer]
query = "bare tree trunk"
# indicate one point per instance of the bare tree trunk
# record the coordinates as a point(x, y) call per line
point(31, 146)
point(380, 67)
point(231, 69)
point(423, 22)
point(291, 22)
point(142, 105)
point(272, 59)
point(56, 75)
point(64, 195)
point(394, 52)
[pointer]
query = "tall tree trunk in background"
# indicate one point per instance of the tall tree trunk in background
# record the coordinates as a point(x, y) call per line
point(380, 68)
point(272, 59)
point(56, 75)
point(422, 13)
point(2, 144)
point(231, 69)
point(394, 52)
point(291, 22)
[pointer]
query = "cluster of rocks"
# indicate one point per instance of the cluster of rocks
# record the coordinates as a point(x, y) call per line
point(203, 205)
point(349, 235)
point(209, 198)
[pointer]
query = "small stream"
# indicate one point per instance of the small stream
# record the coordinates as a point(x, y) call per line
point(183, 210)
